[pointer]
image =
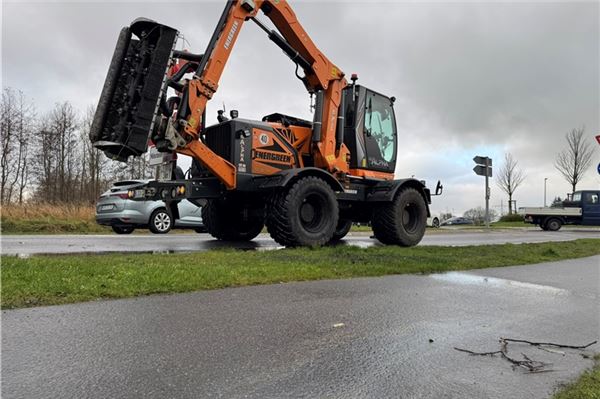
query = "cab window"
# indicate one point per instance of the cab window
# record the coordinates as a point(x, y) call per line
point(380, 125)
point(591, 198)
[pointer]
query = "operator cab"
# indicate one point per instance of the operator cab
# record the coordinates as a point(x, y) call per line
point(370, 129)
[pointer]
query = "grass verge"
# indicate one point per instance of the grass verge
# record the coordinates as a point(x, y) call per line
point(50, 280)
point(586, 387)
point(50, 219)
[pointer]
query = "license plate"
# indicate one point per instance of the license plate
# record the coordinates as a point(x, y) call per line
point(106, 207)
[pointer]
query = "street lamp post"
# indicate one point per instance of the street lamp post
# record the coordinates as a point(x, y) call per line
point(545, 180)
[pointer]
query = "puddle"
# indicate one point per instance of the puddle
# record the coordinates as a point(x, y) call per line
point(471, 279)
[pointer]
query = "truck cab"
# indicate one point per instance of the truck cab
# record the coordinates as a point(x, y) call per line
point(590, 206)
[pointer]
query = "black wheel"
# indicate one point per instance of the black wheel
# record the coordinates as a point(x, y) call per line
point(543, 226)
point(305, 214)
point(343, 227)
point(435, 223)
point(123, 229)
point(160, 221)
point(229, 220)
point(553, 224)
point(402, 221)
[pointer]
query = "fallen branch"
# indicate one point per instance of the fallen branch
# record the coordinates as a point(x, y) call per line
point(532, 366)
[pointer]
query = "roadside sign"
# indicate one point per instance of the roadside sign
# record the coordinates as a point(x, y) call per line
point(481, 170)
point(481, 160)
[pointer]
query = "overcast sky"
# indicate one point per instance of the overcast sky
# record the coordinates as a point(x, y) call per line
point(470, 78)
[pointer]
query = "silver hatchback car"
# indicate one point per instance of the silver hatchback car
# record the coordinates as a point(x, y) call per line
point(115, 209)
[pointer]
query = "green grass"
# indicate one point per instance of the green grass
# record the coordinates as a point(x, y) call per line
point(586, 387)
point(503, 225)
point(361, 229)
point(49, 280)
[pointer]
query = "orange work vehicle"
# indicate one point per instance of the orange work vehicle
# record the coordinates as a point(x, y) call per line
point(307, 181)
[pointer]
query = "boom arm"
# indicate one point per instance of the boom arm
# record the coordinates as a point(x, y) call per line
point(320, 75)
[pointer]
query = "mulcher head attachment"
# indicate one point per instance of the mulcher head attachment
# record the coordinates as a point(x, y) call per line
point(133, 89)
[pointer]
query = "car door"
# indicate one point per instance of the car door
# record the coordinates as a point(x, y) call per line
point(190, 215)
point(591, 208)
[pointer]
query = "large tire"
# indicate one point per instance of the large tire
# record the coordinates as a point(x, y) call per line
point(160, 221)
point(402, 221)
point(123, 229)
point(553, 224)
point(343, 227)
point(228, 221)
point(303, 215)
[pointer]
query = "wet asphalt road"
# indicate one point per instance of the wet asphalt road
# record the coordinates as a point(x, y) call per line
point(38, 244)
point(359, 338)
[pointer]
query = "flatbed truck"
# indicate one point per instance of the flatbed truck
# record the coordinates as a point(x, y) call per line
point(583, 208)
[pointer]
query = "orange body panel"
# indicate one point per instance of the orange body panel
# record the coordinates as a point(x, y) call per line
point(372, 174)
point(270, 153)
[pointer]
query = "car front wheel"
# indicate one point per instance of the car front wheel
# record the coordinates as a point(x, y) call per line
point(160, 221)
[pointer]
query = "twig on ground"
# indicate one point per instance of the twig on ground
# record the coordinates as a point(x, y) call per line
point(532, 366)
point(548, 343)
point(478, 353)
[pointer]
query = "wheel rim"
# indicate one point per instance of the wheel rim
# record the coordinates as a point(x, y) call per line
point(311, 213)
point(162, 221)
point(410, 218)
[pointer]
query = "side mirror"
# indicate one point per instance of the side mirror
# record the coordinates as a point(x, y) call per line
point(439, 188)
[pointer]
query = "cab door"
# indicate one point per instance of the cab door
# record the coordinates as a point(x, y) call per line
point(379, 133)
point(591, 208)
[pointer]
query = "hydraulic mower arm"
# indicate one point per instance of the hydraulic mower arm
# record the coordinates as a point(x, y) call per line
point(133, 106)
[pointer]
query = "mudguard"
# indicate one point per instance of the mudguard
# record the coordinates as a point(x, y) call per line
point(385, 191)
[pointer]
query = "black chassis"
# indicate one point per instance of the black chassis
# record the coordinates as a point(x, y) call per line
point(356, 196)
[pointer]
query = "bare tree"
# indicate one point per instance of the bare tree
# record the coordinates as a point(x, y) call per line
point(94, 163)
point(7, 136)
point(17, 118)
point(509, 178)
point(573, 161)
point(59, 151)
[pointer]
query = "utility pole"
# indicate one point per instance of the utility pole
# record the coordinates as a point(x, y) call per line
point(545, 180)
point(484, 168)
